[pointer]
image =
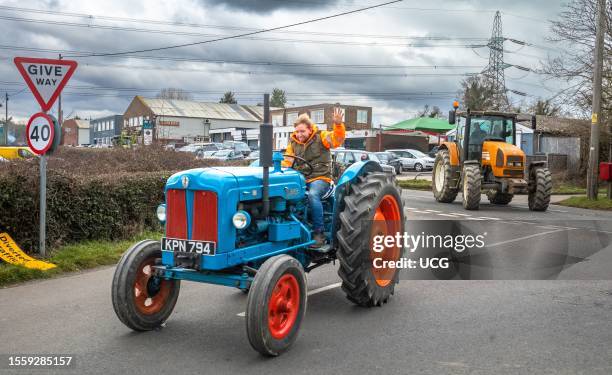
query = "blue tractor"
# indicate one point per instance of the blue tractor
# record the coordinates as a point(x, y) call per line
point(248, 228)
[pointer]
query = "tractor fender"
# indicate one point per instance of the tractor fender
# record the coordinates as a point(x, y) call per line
point(537, 164)
point(453, 152)
point(358, 169)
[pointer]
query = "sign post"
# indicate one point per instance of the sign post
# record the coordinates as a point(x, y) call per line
point(46, 78)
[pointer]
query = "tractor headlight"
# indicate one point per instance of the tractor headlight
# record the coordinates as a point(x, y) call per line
point(161, 213)
point(241, 220)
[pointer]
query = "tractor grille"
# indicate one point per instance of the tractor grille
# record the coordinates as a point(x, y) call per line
point(203, 214)
point(515, 159)
point(513, 172)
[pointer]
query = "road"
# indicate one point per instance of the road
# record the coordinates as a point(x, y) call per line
point(429, 327)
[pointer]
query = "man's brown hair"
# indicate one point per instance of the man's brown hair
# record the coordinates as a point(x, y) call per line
point(303, 119)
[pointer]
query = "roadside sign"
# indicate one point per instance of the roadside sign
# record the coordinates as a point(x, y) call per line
point(148, 137)
point(45, 77)
point(40, 133)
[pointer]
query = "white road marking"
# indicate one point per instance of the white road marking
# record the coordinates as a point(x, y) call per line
point(456, 213)
point(310, 293)
point(448, 215)
point(434, 211)
point(524, 238)
point(489, 218)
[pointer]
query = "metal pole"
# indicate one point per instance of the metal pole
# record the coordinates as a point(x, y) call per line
point(5, 132)
point(592, 188)
point(59, 108)
point(43, 205)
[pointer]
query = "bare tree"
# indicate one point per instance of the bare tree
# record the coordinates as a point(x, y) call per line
point(477, 93)
point(174, 93)
point(545, 107)
point(433, 112)
point(575, 30)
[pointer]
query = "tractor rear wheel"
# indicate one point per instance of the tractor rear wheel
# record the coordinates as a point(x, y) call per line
point(142, 301)
point(276, 305)
point(471, 186)
point(540, 188)
point(444, 187)
point(496, 197)
point(372, 207)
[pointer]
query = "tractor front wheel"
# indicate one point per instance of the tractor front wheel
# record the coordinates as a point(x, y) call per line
point(540, 188)
point(471, 186)
point(444, 186)
point(276, 305)
point(373, 207)
point(142, 300)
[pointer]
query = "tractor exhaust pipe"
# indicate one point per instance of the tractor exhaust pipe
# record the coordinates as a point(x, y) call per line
point(265, 155)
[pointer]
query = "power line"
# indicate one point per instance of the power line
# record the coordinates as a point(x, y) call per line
point(242, 35)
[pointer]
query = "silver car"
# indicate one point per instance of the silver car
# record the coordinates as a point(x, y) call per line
point(414, 159)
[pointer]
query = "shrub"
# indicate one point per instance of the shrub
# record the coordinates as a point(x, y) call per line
point(91, 194)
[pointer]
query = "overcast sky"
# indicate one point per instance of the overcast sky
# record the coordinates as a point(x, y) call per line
point(420, 49)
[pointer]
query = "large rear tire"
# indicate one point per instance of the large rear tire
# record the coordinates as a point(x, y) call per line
point(472, 184)
point(142, 301)
point(276, 305)
point(372, 207)
point(540, 189)
point(443, 186)
point(496, 197)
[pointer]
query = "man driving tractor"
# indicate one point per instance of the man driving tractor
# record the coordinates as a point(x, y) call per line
point(313, 145)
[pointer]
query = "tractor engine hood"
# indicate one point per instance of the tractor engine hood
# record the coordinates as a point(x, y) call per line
point(244, 183)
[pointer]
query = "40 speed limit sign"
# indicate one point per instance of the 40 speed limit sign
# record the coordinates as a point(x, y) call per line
point(42, 133)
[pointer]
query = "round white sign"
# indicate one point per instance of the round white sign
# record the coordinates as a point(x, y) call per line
point(40, 133)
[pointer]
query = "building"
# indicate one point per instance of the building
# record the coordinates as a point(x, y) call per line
point(105, 129)
point(355, 118)
point(75, 132)
point(186, 121)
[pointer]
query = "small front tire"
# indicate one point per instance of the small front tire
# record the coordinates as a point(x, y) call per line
point(276, 305)
point(141, 300)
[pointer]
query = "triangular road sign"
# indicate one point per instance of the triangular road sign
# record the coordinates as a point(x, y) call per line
point(45, 77)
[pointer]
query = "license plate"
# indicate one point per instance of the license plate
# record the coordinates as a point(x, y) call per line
point(188, 246)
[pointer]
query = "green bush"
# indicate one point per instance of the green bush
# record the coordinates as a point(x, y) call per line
point(91, 194)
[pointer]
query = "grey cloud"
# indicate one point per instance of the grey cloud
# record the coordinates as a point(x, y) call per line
point(264, 6)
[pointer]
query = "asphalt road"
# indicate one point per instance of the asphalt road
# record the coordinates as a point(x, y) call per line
point(429, 327)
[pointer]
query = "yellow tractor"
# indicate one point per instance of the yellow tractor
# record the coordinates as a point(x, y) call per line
point(484, 158)
point(15, 152)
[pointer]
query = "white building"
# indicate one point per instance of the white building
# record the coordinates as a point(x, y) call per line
point(186, 121)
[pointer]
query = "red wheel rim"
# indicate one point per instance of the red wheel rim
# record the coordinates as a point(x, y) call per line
point(147, 298)
point(387, 221)
point(283, 306)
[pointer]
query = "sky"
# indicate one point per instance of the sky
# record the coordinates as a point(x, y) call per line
point(396, 58)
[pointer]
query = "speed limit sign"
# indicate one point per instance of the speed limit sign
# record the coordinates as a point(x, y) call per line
point(40, 133)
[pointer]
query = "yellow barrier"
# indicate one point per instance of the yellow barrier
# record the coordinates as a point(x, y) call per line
point(11, 253)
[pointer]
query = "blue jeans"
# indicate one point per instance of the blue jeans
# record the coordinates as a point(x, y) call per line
point(316, 189)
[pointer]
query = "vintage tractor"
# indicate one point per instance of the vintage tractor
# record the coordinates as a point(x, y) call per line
point(484, 158)
point(248, 228)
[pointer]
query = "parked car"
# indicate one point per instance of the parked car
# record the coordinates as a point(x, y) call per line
point(389, 158)
point(345, 157)
point(414, 159)
point(254, 155)
point(432, 153)
point(238, 147)
point(225, 155)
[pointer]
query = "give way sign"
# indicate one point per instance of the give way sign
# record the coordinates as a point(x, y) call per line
point(45, 77)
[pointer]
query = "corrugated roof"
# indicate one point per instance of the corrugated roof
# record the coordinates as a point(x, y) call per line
point(189, 108)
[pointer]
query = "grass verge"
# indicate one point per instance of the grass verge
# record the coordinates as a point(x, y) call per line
point(419, 184)
point(603, 203)
point(71, 258)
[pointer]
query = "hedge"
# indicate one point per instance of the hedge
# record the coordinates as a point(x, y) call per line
point(91, 194)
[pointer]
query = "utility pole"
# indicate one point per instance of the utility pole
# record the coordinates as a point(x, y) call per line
point(592, 183)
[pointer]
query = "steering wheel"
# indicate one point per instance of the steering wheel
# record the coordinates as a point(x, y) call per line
point(310, 168)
